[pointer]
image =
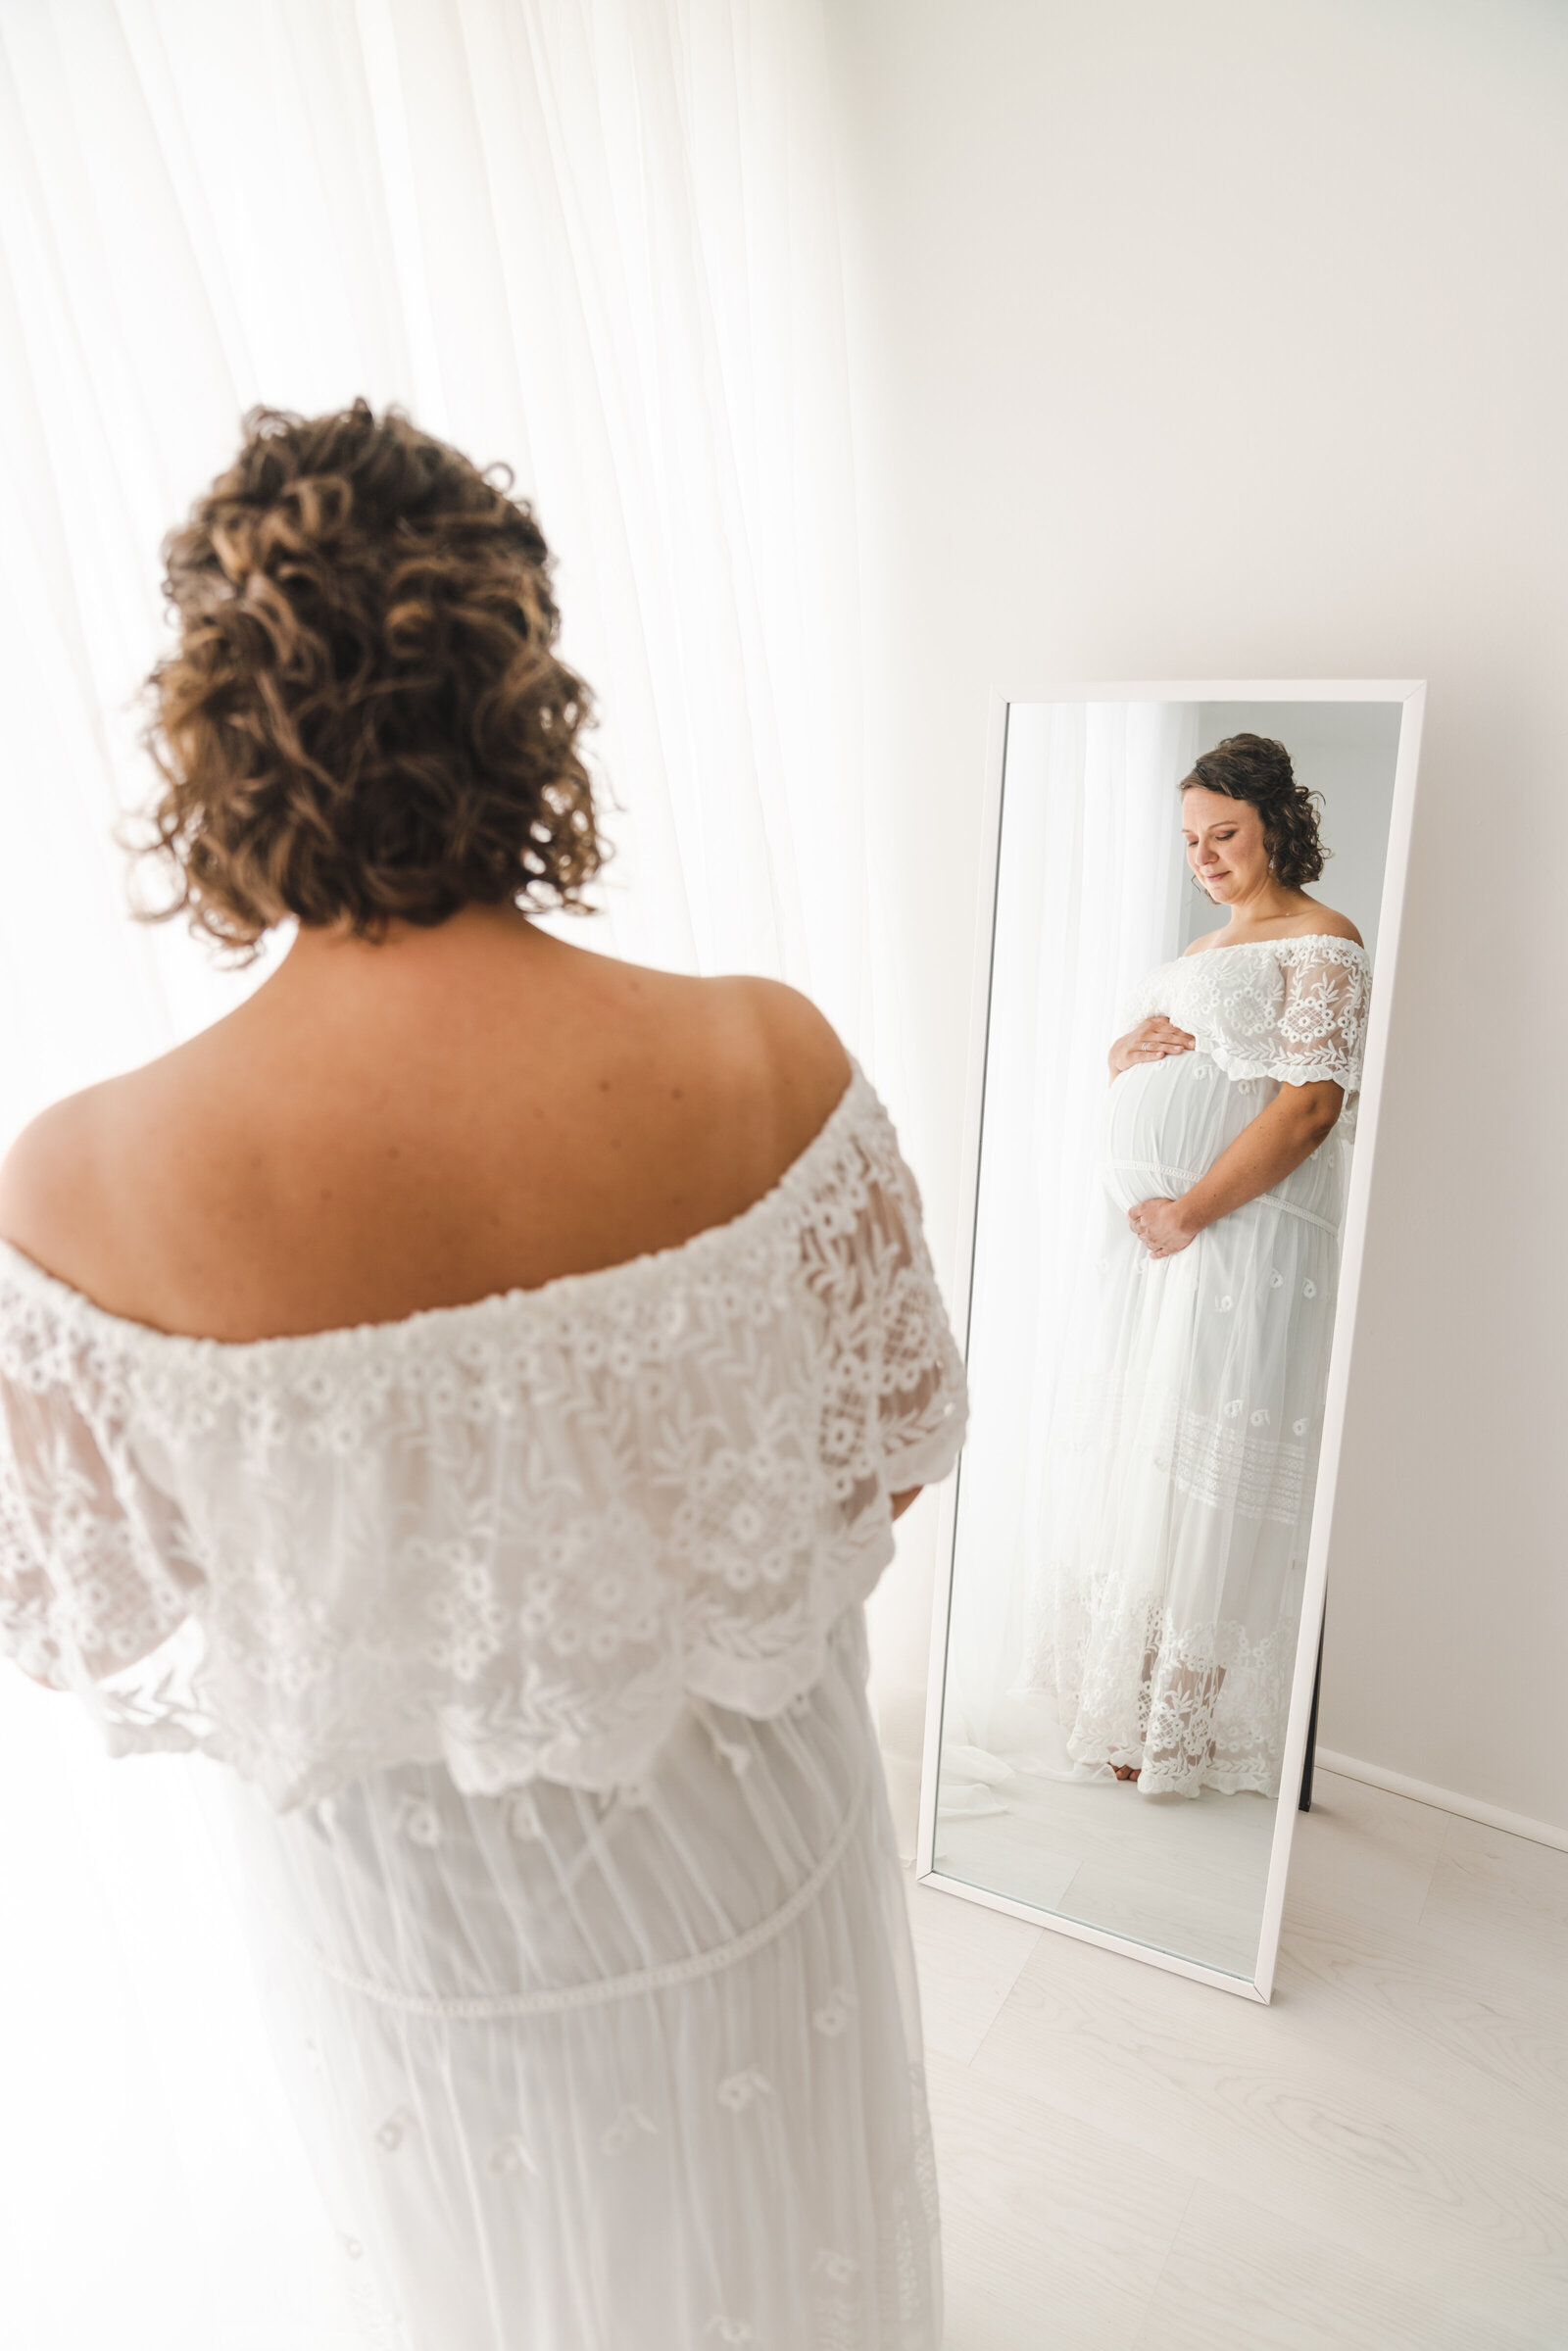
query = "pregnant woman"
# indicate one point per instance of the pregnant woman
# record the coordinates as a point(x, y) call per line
point(1182, 1485)
point(466, 1394)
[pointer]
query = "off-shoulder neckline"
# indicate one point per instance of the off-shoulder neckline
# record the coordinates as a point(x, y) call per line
point(1235, 947)
point(20, 1272)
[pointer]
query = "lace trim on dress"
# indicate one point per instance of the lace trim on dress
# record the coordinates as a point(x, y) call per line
point(512, 1536)
point(1291, 1009)
point(1192, 1706)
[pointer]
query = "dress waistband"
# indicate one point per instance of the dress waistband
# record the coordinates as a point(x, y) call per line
point(1190, 1176)
point(664, 1978)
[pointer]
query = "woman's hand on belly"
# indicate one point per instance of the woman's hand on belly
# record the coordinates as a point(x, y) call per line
point(1162, 1226)
point(1151, 1040)
point(1271, 1147)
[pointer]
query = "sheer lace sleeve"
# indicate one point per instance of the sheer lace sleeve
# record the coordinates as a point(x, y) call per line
point(1321, 1028)
point(92, 1573)
point(897, 1402)
point(1291, 1009)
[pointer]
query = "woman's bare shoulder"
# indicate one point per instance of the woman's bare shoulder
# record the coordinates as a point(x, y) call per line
point(134, 1190)
point(73, 1175)
point(740, 1071)
point(792, 1052)
point(49, 1179)
point(753, 1029)
point(1334, 925)
point(801, 1040)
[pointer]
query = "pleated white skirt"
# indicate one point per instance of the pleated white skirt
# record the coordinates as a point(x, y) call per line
point(583, 2074)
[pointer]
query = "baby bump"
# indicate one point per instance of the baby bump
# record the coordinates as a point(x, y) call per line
point(1167, 1123)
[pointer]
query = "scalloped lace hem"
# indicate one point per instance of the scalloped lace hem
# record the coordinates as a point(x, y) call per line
point(1188, 1706)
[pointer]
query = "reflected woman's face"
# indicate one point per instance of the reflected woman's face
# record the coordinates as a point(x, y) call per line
point(1225, 842)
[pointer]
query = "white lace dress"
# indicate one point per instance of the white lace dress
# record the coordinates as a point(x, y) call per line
point(530, 1633)
point(1180, 1476)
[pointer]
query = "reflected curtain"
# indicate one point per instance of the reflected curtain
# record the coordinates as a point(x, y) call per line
point(595, 239)
point(1088, 899)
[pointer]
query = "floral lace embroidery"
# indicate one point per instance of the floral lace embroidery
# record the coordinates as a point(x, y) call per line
point(838, 2302)
point(1195, 1705)
point(518, 1535)
point(1292, 1010)
point(628, 2127)
point(737, 2091)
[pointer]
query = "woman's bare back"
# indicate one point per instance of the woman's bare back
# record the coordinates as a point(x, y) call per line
point(379, 1129)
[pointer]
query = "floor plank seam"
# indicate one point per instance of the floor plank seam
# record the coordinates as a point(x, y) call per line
point(1167, 2258)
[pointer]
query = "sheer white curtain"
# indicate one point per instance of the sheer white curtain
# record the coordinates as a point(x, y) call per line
point(595, 239)
point(1088, 899)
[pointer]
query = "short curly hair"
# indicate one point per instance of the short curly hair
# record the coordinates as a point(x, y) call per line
point(1256, 768)
point(364, 720)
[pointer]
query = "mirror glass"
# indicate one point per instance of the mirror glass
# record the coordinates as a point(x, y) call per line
point(1135, 1502)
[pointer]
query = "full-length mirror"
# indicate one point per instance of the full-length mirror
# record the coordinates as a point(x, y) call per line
point(1192, 898)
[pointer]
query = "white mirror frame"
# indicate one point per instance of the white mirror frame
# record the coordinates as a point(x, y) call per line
point(1411, 693)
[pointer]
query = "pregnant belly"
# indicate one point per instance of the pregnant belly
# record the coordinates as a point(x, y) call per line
point(1167, 1123)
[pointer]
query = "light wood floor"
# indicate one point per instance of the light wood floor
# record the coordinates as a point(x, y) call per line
point(1376, 2162)
point(1184, 1873)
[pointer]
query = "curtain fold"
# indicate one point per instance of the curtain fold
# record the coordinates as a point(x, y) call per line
point(595, 239)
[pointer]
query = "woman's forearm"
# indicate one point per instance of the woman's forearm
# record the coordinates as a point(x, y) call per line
point(1287, 1131)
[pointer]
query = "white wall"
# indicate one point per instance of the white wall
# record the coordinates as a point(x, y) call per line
point(1225, 339)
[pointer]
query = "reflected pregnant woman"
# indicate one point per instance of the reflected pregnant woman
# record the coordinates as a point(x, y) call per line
point(1181, 1483)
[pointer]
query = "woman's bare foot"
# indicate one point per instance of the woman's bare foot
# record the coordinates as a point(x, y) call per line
point(1126, 1771)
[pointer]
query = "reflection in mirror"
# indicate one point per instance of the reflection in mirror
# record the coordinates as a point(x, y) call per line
point(1186, 929)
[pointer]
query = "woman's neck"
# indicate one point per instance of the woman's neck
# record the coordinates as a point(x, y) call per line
point(1270, 902)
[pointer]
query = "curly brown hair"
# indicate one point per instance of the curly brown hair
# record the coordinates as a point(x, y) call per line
point(363, 719)
point(1256, 768)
